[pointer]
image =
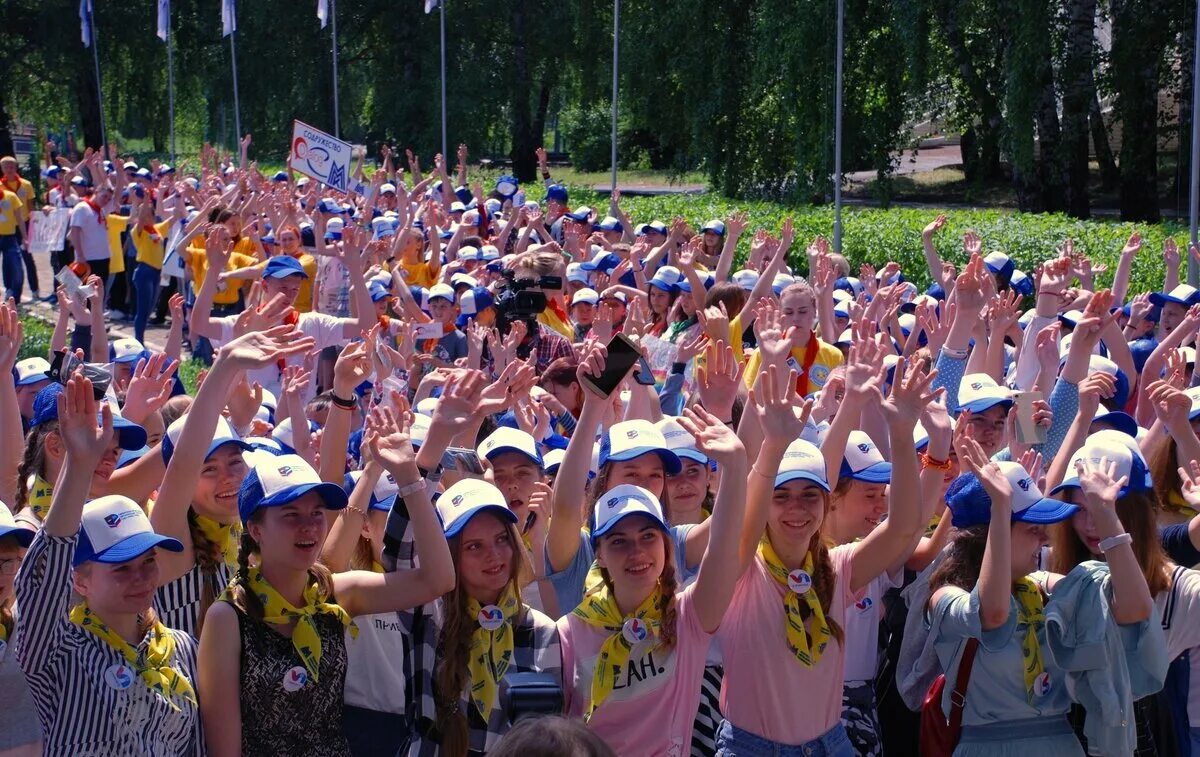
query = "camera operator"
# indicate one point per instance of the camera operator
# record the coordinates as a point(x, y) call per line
point(534, 272)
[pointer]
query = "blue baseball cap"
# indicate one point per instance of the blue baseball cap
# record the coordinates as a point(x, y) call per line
point(282, 266)
point(802, 461)
point(609, 223)
point(505, 439)
point(715, 226)
point(280, 176)
point(222, 435)
point(602, 260)
point(114, 529)
point(557, 193)
point(666, 278)
point(580, 214)
point(127, 350)
point(45, 409)
point(378, 292)
point(1181, 295)
point(1122, 450)
point(10, 527)
point(863, 461)
point(619, 502)
point(630, 439)
point(31, 371)
point(970, 504)
point(278, 481)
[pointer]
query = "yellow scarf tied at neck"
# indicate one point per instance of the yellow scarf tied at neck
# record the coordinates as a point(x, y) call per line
point(1175, 502)
point(153, 666)
point(224, 535)
point(40, 495)
point(799, 586)
point(491, 648)
point(305, 637)
point(599, 609)
point(1031, 611)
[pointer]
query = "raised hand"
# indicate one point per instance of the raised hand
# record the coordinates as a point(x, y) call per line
point(1100, 487)
point(935, 225)
point(713, 438)
point(1095, 387)
point(149, 388)
point(86, 438)
point(602, 325)
point(637, 318)
point(774, 342)
point(1190, 479)
point(719, 379)
point(1170, 253)
point(258, 349)
point(781, 412)
point(260, 317)
point(1171, 406)
point(975, 460)
point(591, 364)
point(687, 349)
point(12, 334)
point(352, 367)
point(970, 294)
point(909, 394)
point(714, 321)
point(460, 399)
point(386, 435)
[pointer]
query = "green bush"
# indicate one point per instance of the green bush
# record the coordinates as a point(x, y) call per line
point(588, 130)
point(37, 336)
point(188, 371)
point(873, 235)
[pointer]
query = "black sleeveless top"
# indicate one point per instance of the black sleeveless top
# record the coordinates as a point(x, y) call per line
point(284, 712)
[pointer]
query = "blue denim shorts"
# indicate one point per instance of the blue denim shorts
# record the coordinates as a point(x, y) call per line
point(734, 742)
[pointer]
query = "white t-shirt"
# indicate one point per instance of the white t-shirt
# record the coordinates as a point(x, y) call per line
point(93, 232)
point(375, 664)
point(862, 628)
point(326, 329)
point(333, 287)
point(1179, 609)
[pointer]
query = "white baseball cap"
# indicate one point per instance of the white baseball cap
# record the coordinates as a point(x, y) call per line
point(680, 441)
point(586, 295)
point(277, 481)
point(802, 461)
point(575, 272)
point(426, 407)
point(383, 496)
point(1122, 450)
point(620, 502)
point(10, 527)
point(463, 278)
point(128, 350)
point(444, 291)
point(921, 436)
point(970, 504)
point(418, 430)
point(978, 392)
point(1194, 395)
point(387, 187)
point(745, 278)
point(31, 371)
point(553, 459)
point(863, 461)
point(222, 435)
point(507, 439)
point(114, 529)
point(466, 499)
point(630, 439)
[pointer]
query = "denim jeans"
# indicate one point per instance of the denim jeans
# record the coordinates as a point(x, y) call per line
point(372, 733)
point(31, 272)
point(145, 284)
point(12, 265)
point(734, 742)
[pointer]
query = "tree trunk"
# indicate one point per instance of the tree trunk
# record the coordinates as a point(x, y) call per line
point(89, 104)
point(1050, 165)
point(1110, 176)
point(524, 141)
point(1138, 40)
point(1078, 90)
point(991, 122)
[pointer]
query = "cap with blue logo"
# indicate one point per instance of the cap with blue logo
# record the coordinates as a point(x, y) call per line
point(282, 266)
point(971, 505)
point(802, 461)
point(114, 529)
point(468, 498)
point(863, 461)
point(127, 350)
point(619, 502)
point(1122, 450)
point(585, 296)
point(680, 440)
point(383, 496)
point(630, 439)
point(978, 392)
point(505, 439)
point(281, 480)
point(666, 278)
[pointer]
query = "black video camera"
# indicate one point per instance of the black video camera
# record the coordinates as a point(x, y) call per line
point(523, 300)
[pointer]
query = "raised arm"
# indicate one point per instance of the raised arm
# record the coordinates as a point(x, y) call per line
point(1132, 602)
point(216, 246)
point(11, 338)
point(1120, 287)
point(995, 575)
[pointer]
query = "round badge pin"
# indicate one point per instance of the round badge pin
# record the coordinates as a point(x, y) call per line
point(294, 679)
point(635, 630)
point(799, 581)
point(118, 677)
point(1042, 685)
point(491, 618)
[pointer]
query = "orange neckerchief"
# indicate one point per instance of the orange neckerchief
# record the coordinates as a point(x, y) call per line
point(428, 345)
point(556, 318)
point(810, 357)
point(100, 218)
point(14, 189)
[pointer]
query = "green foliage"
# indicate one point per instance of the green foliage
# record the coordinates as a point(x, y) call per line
point(872, 235)
point(36, 342)
point(188, 371)
point(587, 128)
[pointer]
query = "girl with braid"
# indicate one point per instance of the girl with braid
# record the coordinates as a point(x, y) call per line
point(273, 659)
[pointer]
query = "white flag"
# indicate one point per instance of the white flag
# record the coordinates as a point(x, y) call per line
point(164, 18)
point(228, 17)
point(85, 22)
point(431, 4)
point(323, 12)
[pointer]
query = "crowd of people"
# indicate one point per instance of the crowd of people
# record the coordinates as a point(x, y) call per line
point(481, 471)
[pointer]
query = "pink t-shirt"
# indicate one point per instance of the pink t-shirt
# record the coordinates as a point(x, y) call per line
point(766, 690)
point(653, 704)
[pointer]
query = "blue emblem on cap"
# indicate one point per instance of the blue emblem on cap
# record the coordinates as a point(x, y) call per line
point(631, 434)
point(1024, 484)
point(457, 500)
point(976, 385)
point(864, 448)
point(112, 521)
point(613, 502)
point(286, 471)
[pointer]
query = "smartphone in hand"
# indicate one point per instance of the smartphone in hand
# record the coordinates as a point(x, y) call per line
point(1028, 431)
point(623, 354)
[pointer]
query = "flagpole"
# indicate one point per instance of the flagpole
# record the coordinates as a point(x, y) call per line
point(442, 6)
point(99, 86)
point(237, 108)
point(616, 50)
point(337, 121)
point(171, 81)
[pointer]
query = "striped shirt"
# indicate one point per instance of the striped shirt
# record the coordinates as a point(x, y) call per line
point(178, 602)
point(535, 650)
point(68, 670)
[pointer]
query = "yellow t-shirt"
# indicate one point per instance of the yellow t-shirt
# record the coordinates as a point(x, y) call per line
point(24, 192)
point(150, 251)
point(227, 291)
point(418, 274)
point(115, 227)
point(828, 357)
point(10, 212)
point(304, 299)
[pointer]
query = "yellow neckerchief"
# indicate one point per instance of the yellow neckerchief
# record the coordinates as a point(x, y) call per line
point(797, 636)
point(934, 522)
point(599, 609)
point(1031, 609)
point(153, 666)
point(556, 318)
point(224, 535)
point(376, 567)
point(491, 651)
point(40, 495)
point(1175, 502)
point(305, 637)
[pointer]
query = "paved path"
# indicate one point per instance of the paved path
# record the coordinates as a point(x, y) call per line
point(918, 161)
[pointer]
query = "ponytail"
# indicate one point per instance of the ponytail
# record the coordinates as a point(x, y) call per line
point(209, 556)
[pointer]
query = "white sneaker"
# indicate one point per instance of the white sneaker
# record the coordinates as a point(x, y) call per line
point(117, 315)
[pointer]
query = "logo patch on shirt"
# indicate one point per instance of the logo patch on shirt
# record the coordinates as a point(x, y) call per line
point(491, 618)
point(118, 677)
point(864, 604)
point(295, 679)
